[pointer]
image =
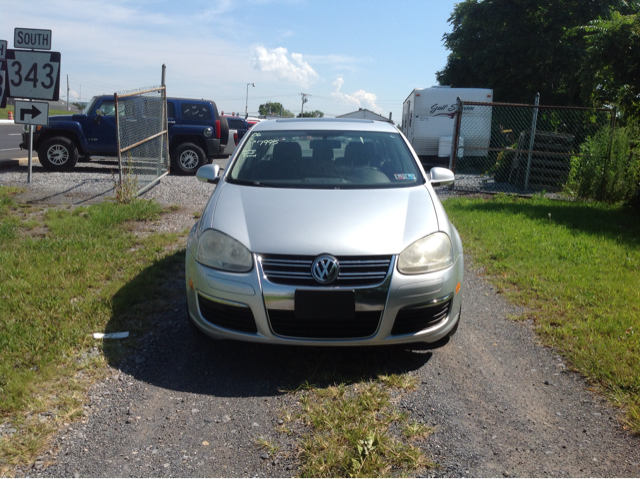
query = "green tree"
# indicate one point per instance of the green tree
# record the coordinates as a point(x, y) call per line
point(274, 108)
point(521, 47)
point(311, 114)
point(613, 67)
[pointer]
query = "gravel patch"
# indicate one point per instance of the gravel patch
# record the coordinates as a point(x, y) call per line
point(94, 181)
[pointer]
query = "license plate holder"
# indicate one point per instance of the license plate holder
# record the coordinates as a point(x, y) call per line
point(314, 305)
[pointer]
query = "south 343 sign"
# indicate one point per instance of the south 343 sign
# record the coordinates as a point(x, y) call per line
point(33, 75)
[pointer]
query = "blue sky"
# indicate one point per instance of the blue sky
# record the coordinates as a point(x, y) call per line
point(346, 54)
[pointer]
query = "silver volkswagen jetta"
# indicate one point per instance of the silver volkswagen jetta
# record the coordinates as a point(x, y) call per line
point(324, 232)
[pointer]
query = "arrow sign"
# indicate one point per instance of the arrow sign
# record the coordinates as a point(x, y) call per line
point(32, 113)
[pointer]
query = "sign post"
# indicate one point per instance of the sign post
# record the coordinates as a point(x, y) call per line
point(31, 75)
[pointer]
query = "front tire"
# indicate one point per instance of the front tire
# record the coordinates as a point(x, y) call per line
point(187, 158)
point(58, 153)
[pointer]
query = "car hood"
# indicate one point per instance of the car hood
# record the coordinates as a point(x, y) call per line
point(55, 118)
point(313, 221)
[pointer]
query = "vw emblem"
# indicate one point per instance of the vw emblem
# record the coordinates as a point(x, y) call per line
point(325, 269)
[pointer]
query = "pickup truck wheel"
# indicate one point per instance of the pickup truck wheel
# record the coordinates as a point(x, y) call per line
point(58, 153)
point(188, 157)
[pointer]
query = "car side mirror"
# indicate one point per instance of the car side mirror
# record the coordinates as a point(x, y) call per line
point(209, 174)
point(442, 176)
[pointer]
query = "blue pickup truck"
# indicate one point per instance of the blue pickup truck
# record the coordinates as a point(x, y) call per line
point(197, 134)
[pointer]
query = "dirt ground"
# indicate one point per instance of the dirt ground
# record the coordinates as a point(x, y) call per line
point(500, 403)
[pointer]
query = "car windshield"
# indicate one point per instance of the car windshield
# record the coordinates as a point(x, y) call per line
point(325, 159)
point(87, 109)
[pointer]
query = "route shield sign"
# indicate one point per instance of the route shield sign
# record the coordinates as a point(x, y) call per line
point(32, 112)
point(33, 75)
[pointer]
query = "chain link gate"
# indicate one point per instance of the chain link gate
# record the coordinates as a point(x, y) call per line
point(142, 134)
point(521, 149)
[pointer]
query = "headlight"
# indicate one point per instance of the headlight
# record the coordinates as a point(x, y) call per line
point(431, 253)
point(217, 250)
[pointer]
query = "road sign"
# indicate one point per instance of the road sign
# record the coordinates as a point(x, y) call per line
point(3, 75)
point(32, 113)
point(33, 75)
point(3, 85)
point(32, 38)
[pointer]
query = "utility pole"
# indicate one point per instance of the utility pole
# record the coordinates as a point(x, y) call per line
point(68, 93)
point(246, 105)
point(304, 100)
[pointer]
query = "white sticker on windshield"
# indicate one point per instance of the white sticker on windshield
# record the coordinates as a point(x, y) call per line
point(405, 176)
point(268, 142)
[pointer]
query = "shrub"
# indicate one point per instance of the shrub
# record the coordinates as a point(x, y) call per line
point(607, 168)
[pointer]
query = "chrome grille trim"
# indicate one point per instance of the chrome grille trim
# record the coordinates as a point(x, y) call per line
point(354, 271)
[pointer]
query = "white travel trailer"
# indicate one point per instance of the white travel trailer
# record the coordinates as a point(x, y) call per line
point(428, 119)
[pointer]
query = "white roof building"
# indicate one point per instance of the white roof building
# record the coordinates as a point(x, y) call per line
point(364, 114)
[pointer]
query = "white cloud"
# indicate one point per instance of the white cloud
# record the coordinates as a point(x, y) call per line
point(360, 98)
point(294, 70)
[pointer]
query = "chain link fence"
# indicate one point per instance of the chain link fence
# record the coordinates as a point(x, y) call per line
point(143, 143)
point(521, 149)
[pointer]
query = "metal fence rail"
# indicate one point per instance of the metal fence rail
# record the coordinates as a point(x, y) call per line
point(143, 145)
point(520, 149)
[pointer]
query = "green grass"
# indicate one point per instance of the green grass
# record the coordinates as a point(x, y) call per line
point(575, 267)
point(64, 274)
point(356, 431)
point(4, 112)
point(347, 405)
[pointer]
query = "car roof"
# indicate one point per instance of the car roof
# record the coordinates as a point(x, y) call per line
point(173, 98)
point(323, 124)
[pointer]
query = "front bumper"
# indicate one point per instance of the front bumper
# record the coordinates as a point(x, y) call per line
point(249, 307)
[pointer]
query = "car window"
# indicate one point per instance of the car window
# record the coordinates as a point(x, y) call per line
point(89, 107)
point(325, 159)
point(108, 107)
point(195, 111)
point(236, 124)
point(171, 109)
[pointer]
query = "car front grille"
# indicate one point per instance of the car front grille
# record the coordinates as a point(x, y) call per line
point(224, 315)
point(363, 325)
point(416, 318)
point(354, 270)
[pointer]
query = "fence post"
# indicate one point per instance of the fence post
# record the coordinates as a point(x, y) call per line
point(115, 96)
point(456, 133)
point(165, 123)
point(532, 140)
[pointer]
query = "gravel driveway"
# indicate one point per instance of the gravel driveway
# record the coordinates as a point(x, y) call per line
point(501, 404)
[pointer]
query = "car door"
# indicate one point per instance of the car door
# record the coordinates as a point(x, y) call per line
point(171, 114)
point(101, 134)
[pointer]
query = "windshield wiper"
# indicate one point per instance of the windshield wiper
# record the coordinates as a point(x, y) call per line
point(251, 183)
